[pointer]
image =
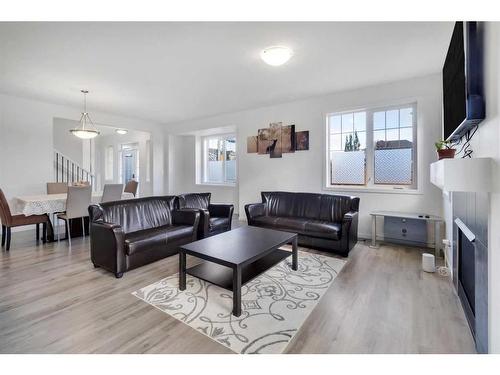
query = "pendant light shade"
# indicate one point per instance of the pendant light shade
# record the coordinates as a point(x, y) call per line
point(84, 133)
point(86, 130)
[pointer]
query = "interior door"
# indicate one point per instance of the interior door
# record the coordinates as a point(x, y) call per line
point(129, 165)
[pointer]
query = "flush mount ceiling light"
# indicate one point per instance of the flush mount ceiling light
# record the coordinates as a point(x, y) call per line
point(276, 55)
point(86, 130)
point(121, 131)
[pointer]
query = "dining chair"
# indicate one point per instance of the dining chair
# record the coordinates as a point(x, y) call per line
point(77, 203)
point(112, 192)
point(57, 187)
point(10, 221)
point(81, 183)
point(131, 187)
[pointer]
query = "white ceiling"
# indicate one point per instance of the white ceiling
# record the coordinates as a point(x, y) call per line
point(176, 71)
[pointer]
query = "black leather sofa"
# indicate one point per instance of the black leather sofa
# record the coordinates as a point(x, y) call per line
point(324, 221)
point(214, 218)
point(127, 234)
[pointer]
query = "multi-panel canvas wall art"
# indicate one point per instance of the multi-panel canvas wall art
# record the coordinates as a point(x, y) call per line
point(302, 140)
point(252, 144)
point(263, 141)
point(277, 140)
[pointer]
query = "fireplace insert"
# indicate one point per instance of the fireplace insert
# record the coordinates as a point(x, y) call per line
point(467, 272)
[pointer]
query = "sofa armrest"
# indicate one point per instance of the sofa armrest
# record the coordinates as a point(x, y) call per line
point(95, 213)
point(186, 216)
point(107, 241)
point(350, 216)
point(189, 216)
point(350, 229)
point(221, 210)
point(254, 210)
point(203, 226)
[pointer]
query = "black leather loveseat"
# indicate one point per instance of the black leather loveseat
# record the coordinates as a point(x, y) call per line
point(214, 218)
point(127, 234)
point(323, 221)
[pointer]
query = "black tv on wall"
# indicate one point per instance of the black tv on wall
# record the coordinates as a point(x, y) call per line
point(463, 101)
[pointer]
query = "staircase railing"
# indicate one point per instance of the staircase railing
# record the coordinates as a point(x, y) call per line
point(69, 171)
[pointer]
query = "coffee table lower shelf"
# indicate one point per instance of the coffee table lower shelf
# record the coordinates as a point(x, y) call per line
point(223, 276)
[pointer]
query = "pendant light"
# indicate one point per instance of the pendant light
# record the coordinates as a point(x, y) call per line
point(86, 130)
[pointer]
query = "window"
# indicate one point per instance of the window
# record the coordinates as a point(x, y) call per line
point(108, 170)
point(348, 148)
point(372, 148)
point(220, 159)
point(393, 139)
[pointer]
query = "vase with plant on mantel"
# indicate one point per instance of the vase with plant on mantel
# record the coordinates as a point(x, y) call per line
point(444, 149)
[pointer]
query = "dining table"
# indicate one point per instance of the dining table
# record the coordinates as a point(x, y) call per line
point(49, 204)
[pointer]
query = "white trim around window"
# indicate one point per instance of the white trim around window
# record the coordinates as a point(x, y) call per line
point(219, 160)
point(377, 132)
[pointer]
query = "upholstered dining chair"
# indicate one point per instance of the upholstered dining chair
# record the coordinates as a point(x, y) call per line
point(57, 187)
point(80, 183)
point(131, 187)
point(10, 221)
point(77, 203)
point(112, 193)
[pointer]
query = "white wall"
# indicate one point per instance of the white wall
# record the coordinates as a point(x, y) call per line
point(116, 140)
point(303, 170)
point(74, 148)
point(26, 143)
point(485, 143)
point(182, 151)
point(65, 142)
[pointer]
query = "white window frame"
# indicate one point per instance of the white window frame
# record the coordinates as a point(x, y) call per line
point(370, 186)
point(204, 147)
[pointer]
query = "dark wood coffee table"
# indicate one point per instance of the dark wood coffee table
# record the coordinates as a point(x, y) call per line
point(236, 257)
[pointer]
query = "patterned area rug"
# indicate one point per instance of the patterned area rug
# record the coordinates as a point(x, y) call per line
point(274, 305)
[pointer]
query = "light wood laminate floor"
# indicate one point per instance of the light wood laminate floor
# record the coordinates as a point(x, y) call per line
point(52, 300)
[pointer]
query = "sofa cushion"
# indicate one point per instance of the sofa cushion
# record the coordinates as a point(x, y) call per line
point(334, 207)
point(217, 223)
point(285, 204)
point(155, 237)
point(195, 200)
point(265, 221)
point(135, 215)
point(313, 206)
point(293, 224)
point(290, 224)
point(323, 229)
point(278, 204)
point(307, 227)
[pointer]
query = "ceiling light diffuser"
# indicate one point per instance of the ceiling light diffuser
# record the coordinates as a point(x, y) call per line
point(276, 55)
point(121, 131)
point(86, 130)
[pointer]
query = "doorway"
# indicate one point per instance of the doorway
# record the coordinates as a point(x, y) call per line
point(129, 162)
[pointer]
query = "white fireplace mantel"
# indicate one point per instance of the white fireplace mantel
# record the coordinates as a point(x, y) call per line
point(467, 175)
